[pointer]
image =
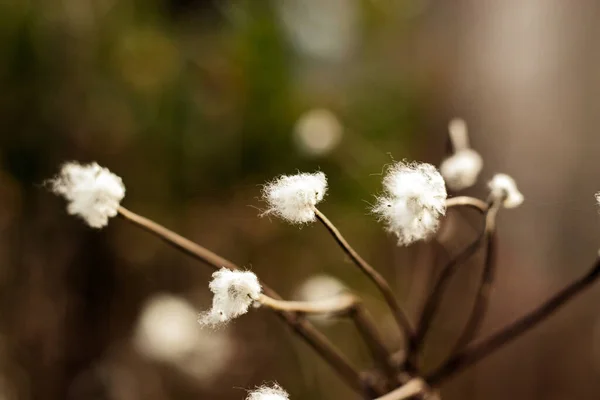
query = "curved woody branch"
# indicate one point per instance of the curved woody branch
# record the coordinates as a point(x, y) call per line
point(345, 305)
point(481, 303)
point(300, 325)
point(434, 300)
point(478, 351)
point(383, 286)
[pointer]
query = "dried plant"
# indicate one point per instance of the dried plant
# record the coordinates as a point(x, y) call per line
point(413, 203)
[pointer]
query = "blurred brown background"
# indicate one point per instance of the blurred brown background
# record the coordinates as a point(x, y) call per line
point(195, 103)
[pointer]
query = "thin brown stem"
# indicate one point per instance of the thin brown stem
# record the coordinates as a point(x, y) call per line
point(433, 302)
point(300, 325)
point(482, 299)
point(383, 286)
point(414, 387)
point(366, 327)
point(467, 201)
point(478, 351)
point(185, 245)
point(342, 304)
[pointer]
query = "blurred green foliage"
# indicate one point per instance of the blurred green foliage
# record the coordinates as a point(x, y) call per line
point(194, 104)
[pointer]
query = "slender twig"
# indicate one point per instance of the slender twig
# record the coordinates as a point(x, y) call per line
point(383, 286)
point(478, 351)
point(434, 300)
point(414, 387)
point(301, 326)
point(366, 327)
point(338, 305)
point(467, 201)
point(482, 299)
point(185, 245)
point(342, 305)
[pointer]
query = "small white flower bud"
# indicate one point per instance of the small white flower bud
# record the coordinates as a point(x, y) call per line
point(293, 197)
point(268, 393)
point(92, 192)
point(234, 292)
point(414, 201)
point(462, 168)
point(504, 186)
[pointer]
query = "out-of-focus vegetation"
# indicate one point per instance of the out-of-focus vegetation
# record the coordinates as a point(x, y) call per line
point(194, 104)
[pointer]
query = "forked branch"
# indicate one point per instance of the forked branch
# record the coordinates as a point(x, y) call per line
point(434, 300)
point(301, 326)
point(478, 351)
point(379, 281)
point(482, 299)
point(345, 305)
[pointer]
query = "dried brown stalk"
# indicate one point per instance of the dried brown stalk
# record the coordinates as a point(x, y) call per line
point(383, 286)
point(435, 297)
point(300, 325)
point(478, 351)
point(482, 299)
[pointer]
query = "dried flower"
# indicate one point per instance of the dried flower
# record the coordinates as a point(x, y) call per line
point(503, 186)
point(268, 393)
point(462, 168)
point(293, 197)
point(414, 201)
point(234, 292)
point(92, 192)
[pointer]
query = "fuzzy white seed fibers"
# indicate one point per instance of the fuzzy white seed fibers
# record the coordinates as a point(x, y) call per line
point(462, 168)
point(413, 202)
point(293, 197)
point(234, 292)
point(92, 192)
point(274, 392)
point(503, 185)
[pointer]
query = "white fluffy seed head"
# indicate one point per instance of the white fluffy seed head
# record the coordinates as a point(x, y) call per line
point(93, 193)
point(293, 197)
point(503, 186)
point(414, 200)
point(461, 169)
point(234, 292)
point(274, 392)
